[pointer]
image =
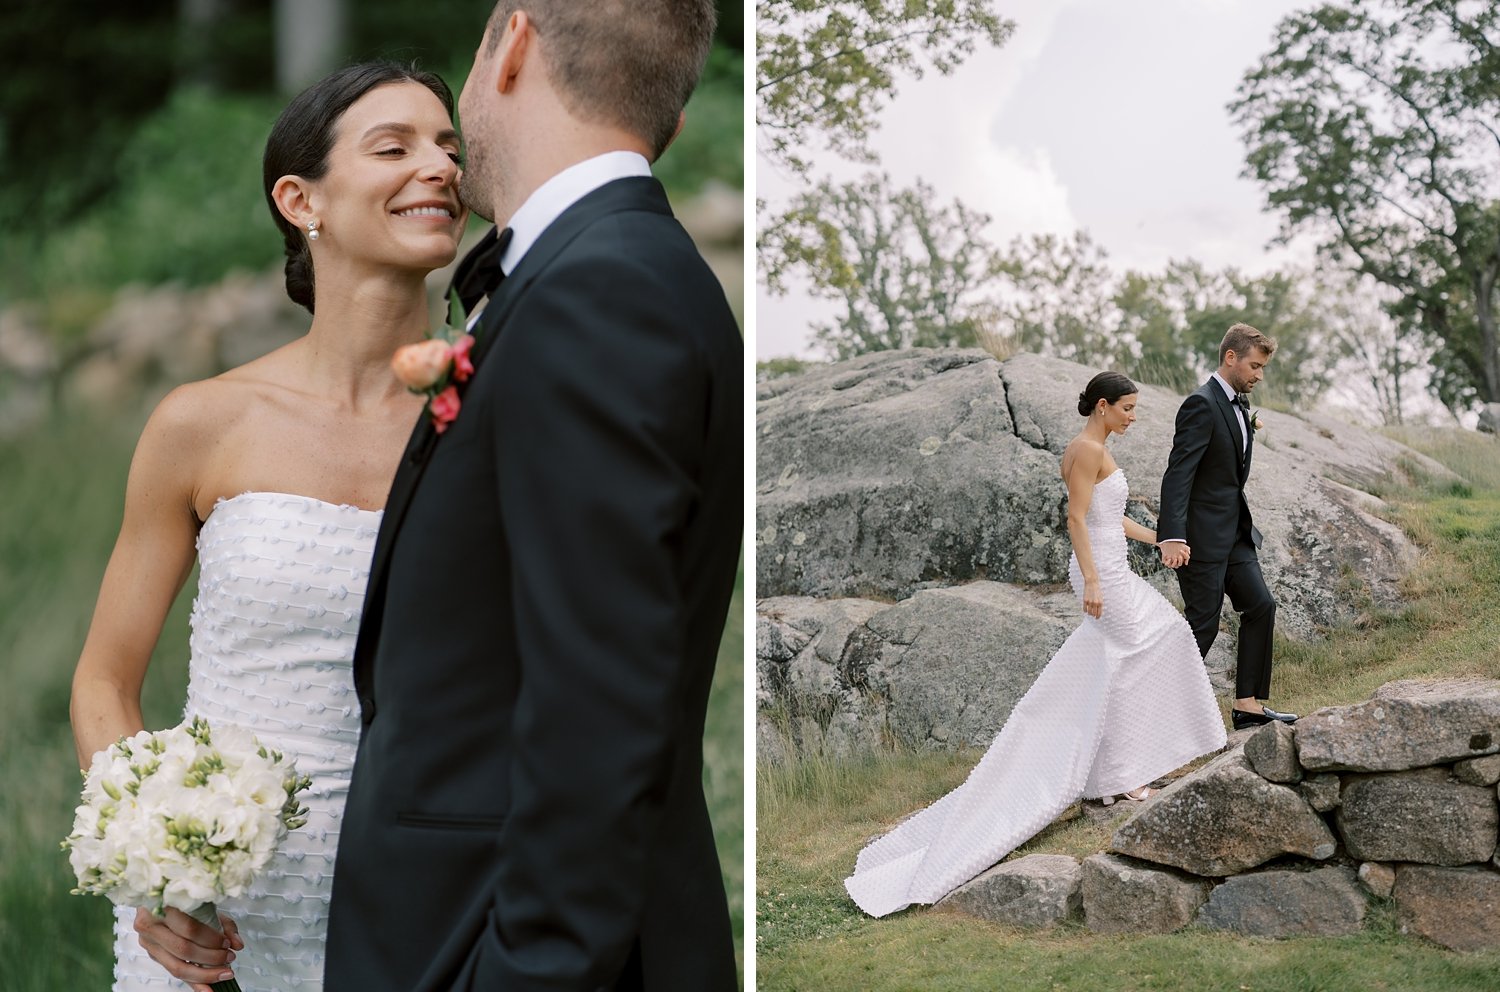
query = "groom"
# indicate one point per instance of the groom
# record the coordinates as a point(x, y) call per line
point(553, 572)
point(1205, 531)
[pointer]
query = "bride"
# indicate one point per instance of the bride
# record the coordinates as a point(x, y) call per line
point(274, 474)
point(1124, 701)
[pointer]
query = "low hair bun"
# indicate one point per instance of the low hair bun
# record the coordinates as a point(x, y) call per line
point(1107, 386)
point(299, 275)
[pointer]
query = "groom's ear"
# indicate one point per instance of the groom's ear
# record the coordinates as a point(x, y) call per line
point(293, 197)
point(514, 45)
point(681, 120)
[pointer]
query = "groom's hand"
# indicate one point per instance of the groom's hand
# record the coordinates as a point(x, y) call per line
point(187, 949)
point(1174, 554)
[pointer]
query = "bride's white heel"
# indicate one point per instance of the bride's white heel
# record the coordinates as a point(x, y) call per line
point(1135, 795)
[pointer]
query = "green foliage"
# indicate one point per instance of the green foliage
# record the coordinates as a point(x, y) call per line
point(824, 69)
point(1058, 299)
point(1372, 126)
point(712, 143)
point(775, 368)
point(905, 269)
point(132, 152)
point(188, 206)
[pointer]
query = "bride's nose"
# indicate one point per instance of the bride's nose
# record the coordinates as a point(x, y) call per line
point(439, 169)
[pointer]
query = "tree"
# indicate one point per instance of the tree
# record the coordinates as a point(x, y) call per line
point(1056, 296)
point(907, 271)
point(1372, 124)
point(824, 68)
point(1380, 363)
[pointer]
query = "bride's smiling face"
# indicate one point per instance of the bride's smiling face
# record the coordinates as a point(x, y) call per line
point(390, 195)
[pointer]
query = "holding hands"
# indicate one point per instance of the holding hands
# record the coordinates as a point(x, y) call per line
point(1174, 554)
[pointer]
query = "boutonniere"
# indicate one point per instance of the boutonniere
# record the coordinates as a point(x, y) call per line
point(1255, 422)
point(434, 367)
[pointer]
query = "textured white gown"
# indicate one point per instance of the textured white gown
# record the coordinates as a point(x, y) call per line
point(281, 585)
point(1123, 702)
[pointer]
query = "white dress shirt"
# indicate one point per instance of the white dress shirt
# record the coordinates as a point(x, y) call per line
point(562, 191)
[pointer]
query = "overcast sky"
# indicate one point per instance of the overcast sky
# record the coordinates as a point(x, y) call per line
point(1107, 115)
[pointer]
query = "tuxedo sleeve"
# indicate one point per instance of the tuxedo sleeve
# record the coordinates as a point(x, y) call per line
point(1189, 442)
point(599, 404)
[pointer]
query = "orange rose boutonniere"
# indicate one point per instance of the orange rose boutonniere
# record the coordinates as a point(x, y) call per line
point(432, 368)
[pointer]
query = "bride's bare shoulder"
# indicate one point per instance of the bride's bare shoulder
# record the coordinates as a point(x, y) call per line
point(1082, 452)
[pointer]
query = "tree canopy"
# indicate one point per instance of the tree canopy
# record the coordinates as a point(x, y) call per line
point(1372, 125)
point(824, 68)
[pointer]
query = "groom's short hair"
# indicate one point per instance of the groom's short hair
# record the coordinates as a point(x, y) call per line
point(1241, 338)
point(632, 63)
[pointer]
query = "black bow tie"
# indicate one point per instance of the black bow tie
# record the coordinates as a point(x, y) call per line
point(1242, 400)
point(479, 273)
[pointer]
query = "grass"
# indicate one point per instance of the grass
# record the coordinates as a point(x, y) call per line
point(60, 500)
point(813, 816)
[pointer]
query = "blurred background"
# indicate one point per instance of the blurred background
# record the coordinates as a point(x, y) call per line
point(138, 253)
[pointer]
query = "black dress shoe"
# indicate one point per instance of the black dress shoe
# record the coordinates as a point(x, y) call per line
point(1241, 719)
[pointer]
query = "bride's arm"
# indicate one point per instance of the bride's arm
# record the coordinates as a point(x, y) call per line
point(152, 557)
point(1138, 532)
point(1080, 479)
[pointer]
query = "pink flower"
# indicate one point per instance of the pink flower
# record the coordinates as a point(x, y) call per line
point(444, 407)
point(419, 366)
point(462, 367)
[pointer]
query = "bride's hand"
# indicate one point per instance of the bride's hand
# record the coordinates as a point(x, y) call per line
point(1093, 599)
point(189, 950)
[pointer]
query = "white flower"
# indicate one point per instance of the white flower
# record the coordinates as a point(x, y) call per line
point(182, 817)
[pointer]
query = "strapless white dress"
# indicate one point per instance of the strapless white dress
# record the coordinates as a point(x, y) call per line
point(281, 586)
point(1123, 702)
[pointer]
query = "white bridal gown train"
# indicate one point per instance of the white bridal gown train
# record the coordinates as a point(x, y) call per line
point(281, 585)
point(1123, 702)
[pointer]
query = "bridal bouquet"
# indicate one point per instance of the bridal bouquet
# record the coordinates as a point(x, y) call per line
point(183, 818)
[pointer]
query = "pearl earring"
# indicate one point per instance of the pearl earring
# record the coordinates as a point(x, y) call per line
point(312, 230)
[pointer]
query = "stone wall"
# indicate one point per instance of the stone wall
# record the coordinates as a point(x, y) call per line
point(1298, 831)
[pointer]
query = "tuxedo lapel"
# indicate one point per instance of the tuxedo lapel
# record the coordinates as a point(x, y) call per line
point(633, 193)
point(1232, 421)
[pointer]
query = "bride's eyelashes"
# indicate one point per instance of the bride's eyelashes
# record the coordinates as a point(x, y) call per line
point(457, 157)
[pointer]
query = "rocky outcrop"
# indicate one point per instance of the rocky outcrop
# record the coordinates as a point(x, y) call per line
point(1036, 891)
point(885, 473)
point(940, 669)
point(895, 475)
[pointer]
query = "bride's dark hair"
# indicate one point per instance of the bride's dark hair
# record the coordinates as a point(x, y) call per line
point(303, 135)
point(1104, 386)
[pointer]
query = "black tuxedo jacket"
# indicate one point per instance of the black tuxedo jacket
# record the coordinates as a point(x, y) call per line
point(1203, 490)
point(544, 610)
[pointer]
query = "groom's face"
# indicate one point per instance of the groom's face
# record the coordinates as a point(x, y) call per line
point(1243, 371)
point(481, 134)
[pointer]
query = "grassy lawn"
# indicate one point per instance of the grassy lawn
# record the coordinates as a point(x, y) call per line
point(61, 492)
point(813, 817)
